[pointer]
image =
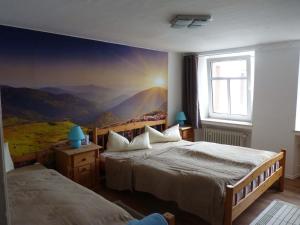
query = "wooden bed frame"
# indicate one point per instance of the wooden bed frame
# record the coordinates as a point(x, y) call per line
point(44, 157)
point(233, 206)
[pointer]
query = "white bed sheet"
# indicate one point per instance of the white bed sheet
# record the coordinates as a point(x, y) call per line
point(156, 147)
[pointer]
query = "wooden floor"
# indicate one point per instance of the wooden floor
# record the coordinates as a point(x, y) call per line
point(146, 203)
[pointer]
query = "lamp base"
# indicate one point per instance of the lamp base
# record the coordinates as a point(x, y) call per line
point(180, 122)
point(75, 143)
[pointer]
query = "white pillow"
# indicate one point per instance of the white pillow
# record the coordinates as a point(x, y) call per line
point(117, 142)
point(169, 135)
point(9, 165)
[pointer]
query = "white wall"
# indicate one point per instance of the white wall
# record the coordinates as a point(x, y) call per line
point(174, 85)
point(275, 99)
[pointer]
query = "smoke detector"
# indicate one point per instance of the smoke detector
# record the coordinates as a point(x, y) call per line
point(190, 21)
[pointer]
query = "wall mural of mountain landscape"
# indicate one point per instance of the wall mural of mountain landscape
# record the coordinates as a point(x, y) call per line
point(51, 82)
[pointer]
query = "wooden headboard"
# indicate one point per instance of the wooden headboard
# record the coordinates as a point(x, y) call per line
point(44, 157)
point(129, 130)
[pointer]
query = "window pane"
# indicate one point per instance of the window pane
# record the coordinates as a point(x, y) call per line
point(238, 97)
point(236, 68)
point(220, 98)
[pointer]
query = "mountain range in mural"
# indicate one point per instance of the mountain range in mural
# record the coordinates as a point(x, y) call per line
point(59, 104)
point(103, 97)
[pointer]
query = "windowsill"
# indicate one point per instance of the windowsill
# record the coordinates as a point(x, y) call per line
point(297, 132)
point(228, 123)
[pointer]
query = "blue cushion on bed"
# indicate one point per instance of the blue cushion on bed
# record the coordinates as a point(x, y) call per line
point(153, 219)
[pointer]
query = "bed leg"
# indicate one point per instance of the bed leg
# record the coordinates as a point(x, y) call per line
point(95, 136)
point(170, 218)
point(282, 164)
point(228, 205)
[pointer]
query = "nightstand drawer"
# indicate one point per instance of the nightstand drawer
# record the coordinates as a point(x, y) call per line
point(84, 158)
point(189, 139)
point(83, 169)
point(84, 175)
point(187, 134)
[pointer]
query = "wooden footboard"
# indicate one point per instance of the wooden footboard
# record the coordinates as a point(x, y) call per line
point(241, 195)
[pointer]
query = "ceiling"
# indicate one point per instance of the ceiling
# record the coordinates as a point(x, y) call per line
point(145, 23)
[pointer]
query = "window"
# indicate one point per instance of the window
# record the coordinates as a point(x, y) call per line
point(230, 87)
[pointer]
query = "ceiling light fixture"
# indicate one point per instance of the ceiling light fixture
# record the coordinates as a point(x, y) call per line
point(190, 21)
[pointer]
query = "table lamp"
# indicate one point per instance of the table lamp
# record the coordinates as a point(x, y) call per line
point(75, 136)
point(180, 118)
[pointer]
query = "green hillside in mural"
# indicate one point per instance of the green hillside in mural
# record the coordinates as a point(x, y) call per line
point(32, 137)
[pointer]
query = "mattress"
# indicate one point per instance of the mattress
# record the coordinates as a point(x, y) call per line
point(42, 196)
point(193, 174)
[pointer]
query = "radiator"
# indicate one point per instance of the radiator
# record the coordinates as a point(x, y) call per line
point(221, 136)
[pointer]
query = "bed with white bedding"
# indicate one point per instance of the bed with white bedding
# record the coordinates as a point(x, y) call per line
point(194, 175)
point(216, 182)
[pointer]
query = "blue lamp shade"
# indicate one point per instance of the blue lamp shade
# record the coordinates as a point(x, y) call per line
point(75, 136)
point(180, 118)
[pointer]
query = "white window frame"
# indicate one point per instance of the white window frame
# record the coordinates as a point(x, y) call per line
point(229, 116)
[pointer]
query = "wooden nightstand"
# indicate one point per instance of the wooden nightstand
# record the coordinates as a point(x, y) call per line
point(187, 133)
point(80, 165)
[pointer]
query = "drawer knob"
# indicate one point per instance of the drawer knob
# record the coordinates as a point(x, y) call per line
point(84, 159)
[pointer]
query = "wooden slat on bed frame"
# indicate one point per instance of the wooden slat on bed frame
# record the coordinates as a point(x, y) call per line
point(233, 207)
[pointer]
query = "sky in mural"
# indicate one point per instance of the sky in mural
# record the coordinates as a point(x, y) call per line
point(24, 54)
